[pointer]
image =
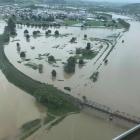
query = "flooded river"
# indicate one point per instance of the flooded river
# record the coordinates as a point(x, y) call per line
point(117, 86)
point(61, 49)
point(118, 81)
point(16, 108)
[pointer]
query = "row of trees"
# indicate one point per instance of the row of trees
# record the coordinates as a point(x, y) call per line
point(36, 33)
point(39, 24)
point(11, 26)
point(56, 33)
point(36, 18)
point(26, 33)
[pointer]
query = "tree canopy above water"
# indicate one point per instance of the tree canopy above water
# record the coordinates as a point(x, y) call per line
point(11, 26)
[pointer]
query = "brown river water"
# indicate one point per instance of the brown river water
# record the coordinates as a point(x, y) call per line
point(117, 86)
point(17, 108)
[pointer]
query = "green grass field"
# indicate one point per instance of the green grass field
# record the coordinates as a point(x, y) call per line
point(68, 22)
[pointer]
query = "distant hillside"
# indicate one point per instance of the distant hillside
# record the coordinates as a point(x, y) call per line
point(32, 1)
point(27, 1)
point(135, 8)
point(55, 1)
point(18, 1)
point(6, 1)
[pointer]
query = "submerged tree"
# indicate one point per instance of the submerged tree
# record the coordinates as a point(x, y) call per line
point(11, 26)
point(88, 47)
point(40, 68)
point(26, 31)
point(51, 58)
point(18, 47)
point(6, 35)
point(70, 66)
point(105, 61)
point(49, 31)
point(78, 50)
point(81, 62)
point(85, 36)
point(56, 33)
point(94, 76)
point(84, 98)
point(73, 40)
point(18, 44)
point(22, 55)
point(54, 73)
point(36, 33)
point(46, 33)
point(27, 36)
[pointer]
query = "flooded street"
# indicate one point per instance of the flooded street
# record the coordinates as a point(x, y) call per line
point(16, 108)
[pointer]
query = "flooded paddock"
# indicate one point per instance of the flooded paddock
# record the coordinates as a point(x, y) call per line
point(61, 48)
point(117, 85)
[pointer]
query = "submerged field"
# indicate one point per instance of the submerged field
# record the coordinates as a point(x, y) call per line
point(39, 48)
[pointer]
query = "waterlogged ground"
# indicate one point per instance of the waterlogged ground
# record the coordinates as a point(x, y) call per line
point(117, 85)
point(61, 49)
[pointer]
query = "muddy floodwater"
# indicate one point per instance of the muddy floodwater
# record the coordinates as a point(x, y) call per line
point(83, 126)
point(16, 108)
point(116, 87)
point(61, 49)
point(118, 84)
